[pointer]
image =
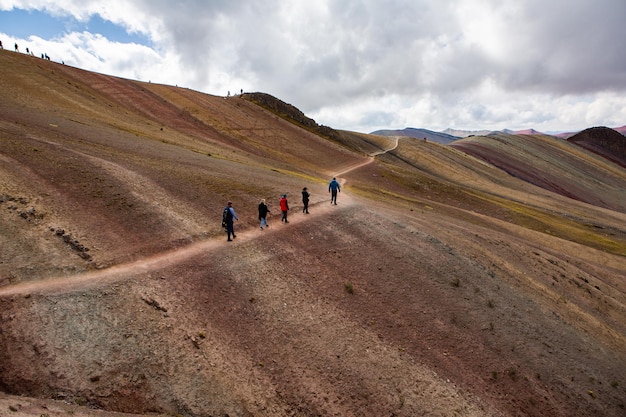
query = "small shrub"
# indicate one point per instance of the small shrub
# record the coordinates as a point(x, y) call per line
point(456, 282)
point(81, 401)
point(512, 373)
point(349, 288)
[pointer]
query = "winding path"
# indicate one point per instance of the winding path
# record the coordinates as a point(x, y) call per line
point(164, 259)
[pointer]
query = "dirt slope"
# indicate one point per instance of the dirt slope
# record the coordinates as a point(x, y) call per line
point(553, 164)
point(604, 141)
point(439, 285)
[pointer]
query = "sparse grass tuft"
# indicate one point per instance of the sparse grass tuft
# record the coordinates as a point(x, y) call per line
point(349, 288)
point(512, 373)
point(456, 282)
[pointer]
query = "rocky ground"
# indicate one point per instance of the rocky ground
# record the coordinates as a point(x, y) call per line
point(438, 286)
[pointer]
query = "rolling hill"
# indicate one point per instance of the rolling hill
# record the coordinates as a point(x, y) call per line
point(555, 165)
point(606, 142)
point(484, 278)
point(439, 137)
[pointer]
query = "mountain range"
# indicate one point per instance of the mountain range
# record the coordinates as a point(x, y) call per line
point(449, 135)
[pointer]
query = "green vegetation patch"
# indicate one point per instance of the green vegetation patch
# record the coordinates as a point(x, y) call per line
point(560, 226)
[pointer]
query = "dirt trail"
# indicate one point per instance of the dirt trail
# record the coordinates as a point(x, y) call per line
point(162, 260)
point(369, 160)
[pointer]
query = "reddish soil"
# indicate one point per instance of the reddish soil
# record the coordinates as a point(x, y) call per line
point(438, 286)
point(604, 141)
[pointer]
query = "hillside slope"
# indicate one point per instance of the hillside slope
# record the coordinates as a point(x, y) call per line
point(555, 165)
point(604, 141)
point(439, 285)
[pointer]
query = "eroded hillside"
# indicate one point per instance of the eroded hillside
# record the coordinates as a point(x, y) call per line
point(439, 285)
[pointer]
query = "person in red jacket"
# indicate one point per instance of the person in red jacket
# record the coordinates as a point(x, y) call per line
point(284, 207)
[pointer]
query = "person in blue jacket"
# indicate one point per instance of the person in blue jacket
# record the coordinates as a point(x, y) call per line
point(333, 189)
point(228, 219)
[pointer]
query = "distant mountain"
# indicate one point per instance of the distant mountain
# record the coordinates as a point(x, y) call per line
point(566, 135)
point(449, 135)
point(621, 130)
point(438, 137)
point(523, 132)
point(465, 133)
point(609, 143)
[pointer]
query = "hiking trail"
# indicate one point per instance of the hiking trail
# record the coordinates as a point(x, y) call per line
point(168, 258)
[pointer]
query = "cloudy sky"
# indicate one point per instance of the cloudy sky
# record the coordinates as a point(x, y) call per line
point(361, 65)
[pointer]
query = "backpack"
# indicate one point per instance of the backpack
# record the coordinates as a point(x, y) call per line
point(227, 216)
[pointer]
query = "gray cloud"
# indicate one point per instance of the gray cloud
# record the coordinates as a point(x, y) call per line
point(431, 62)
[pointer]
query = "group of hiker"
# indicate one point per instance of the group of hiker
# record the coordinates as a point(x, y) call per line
point(229, 216)
point(28, 51)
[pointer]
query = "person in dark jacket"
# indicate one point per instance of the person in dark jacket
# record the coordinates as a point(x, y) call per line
point(284, 207)
point(228, 219)
point(333, 188)
point(305, 200)
point(263, 212)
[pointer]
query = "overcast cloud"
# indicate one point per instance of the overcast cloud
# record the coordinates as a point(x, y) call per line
point(364, 65)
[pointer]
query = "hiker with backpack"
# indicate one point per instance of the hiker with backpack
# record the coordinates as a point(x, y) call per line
point(228, 218)
point(263, 212)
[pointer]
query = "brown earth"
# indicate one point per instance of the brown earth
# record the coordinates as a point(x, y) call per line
point(439, 285)
point(559, 166)
point(604, 141)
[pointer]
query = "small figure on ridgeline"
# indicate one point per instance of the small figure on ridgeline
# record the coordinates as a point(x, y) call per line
point(1, 47)
point(16, 48)
point(263, 212)
point(228, 218)
point(305, 200)
point(284, 208)
point(333, 189)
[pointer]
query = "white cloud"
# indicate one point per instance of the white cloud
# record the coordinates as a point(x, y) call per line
point(361, 64)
